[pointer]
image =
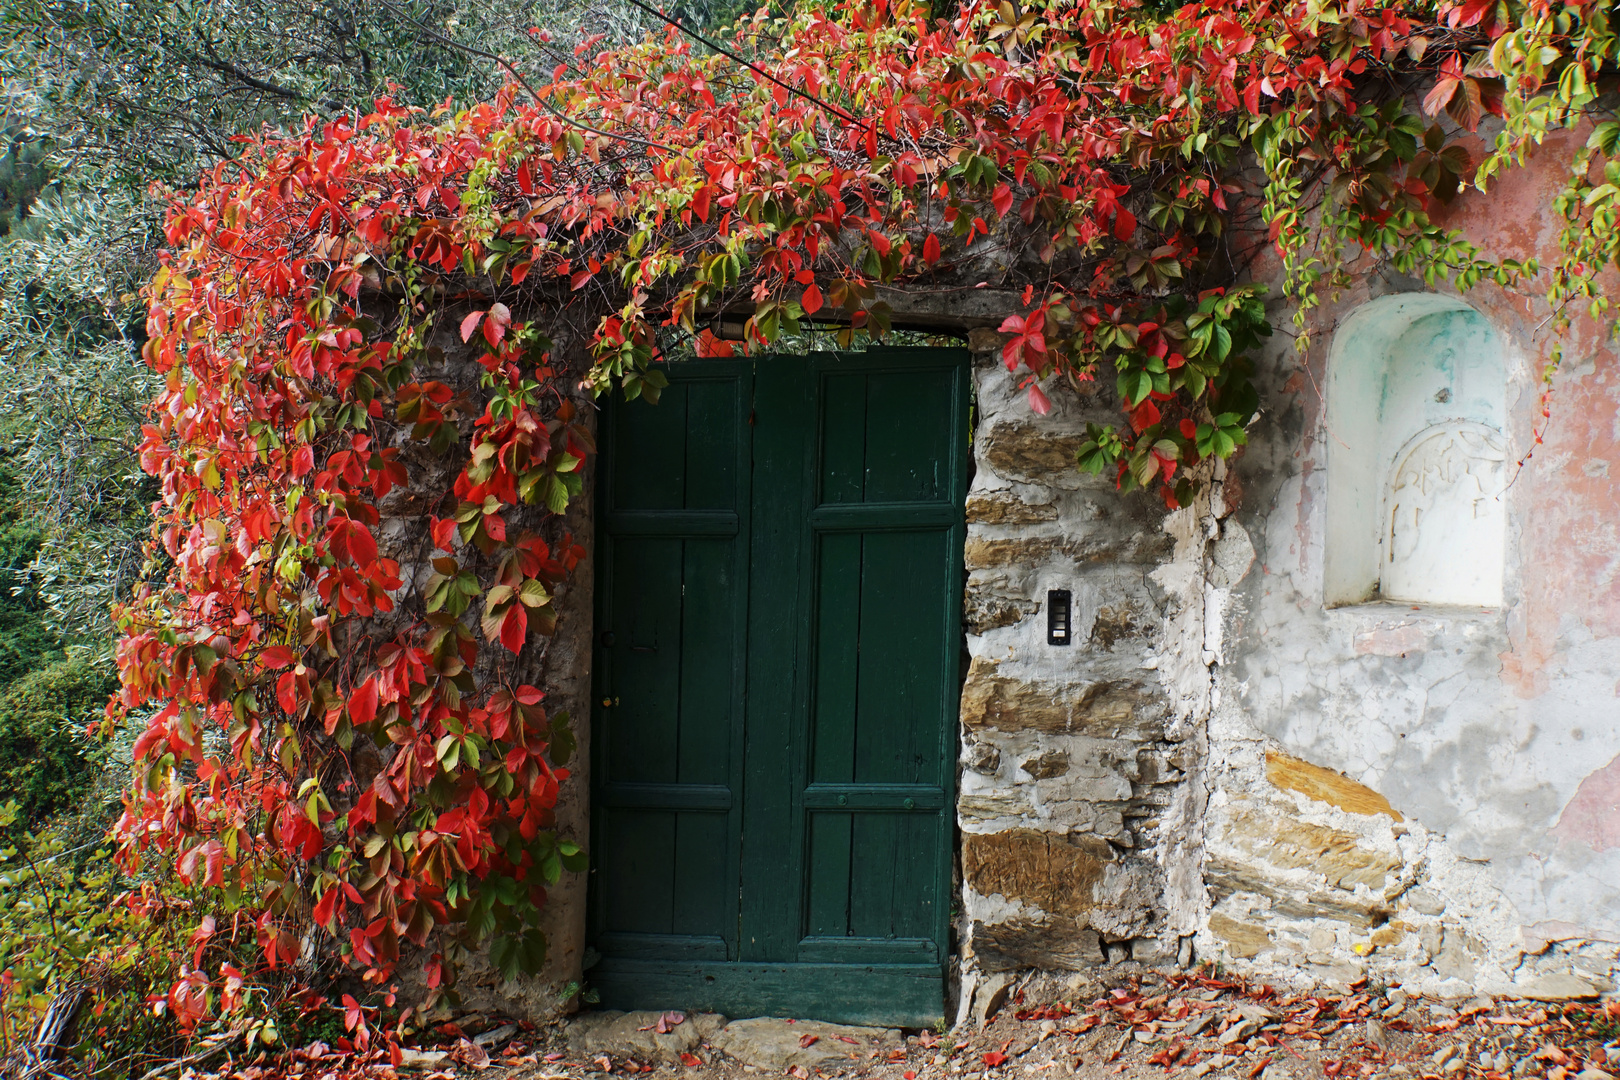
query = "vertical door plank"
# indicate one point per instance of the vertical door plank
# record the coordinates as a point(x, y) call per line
point(649, 453)
point(642, 847)
point(875, 850)
point(899, 699)
point(710, 473)
point(704, 874)
point(643, 731)
point(837, 658)
point(909, 420)
point(843, 438)
point(773, 844)
point(829, 870)
point(710, 640)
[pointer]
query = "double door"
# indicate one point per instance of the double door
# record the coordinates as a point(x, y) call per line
point(777, 675)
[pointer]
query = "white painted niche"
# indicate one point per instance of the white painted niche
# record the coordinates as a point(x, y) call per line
point(1416, 462)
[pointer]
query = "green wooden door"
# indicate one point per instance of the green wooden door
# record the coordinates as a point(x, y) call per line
point(778, 641)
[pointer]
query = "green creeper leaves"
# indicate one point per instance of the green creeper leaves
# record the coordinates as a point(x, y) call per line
point(450, 589)
point(1221, 436)
point(1186, 360)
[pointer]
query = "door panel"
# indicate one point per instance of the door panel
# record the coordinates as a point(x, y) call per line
point(666, 819)
point(801, 708)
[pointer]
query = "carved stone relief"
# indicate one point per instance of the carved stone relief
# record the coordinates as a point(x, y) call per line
point(1446, 518)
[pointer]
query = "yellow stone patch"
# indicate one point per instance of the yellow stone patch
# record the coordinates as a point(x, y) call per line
point(1243, 940)
point(1325, 785)
point(1389, 934)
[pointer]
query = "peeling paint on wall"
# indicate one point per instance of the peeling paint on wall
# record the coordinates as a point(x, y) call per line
point(1592, 817)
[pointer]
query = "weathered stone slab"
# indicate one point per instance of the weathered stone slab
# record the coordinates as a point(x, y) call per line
point(1055, 872)
point(770, 1043)
point(1117, 623)
point(1325, 785)
point(985, 607)
point(1047, 765)
point(1226, 878)
point(1027, 552)
point(1104, 709)
point(993, 803)
point(1557, 988)
point(1287, 844)
point(981, 758)
point(1026, 453)
point(635, 1034)
point(1243, 940)
point(1050, 942)
point(985, 553)
point(1005, 508)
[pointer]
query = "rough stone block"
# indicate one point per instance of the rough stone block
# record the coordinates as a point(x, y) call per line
point(1096, 546)
point(635, 1034)
point(1107, 709)
point(1243, 940)
point(1006, 508)
point(985, 553)
point(1455, 960)
point(1047, 765)
point(1045, 942)
point(982, 339)
point(1056, 872)
point(1286, 844)
point(982, 758)
point(991, 996)
point(1425, 902)
point(1557, 988)
point(1226, 878)
point(1325, 785)
point(1117, 623)
point(992, 804)
point(1031, 455)
point(1389, 934)
point(985, 607)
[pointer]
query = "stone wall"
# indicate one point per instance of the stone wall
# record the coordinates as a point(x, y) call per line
point(1073, 756)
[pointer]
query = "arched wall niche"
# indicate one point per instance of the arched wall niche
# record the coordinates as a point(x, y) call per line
point(1416, 459)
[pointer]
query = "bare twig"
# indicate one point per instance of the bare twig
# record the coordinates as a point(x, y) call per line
point(755, 68)
point(518, 75)
point(190, 1059)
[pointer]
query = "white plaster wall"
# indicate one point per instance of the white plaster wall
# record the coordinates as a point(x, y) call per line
point(1415, 701)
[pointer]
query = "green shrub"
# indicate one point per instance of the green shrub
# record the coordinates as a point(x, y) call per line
point(47, 691)
point(46, 762)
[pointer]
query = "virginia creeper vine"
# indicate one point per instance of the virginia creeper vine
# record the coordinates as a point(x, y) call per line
point(339, 673)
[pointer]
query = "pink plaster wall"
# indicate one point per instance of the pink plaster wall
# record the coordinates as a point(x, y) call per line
point(1564, 575)
point(1593, 815)
point(1569, 547)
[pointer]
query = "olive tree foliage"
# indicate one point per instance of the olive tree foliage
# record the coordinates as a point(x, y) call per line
point(73, 396)
point(108, 104)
